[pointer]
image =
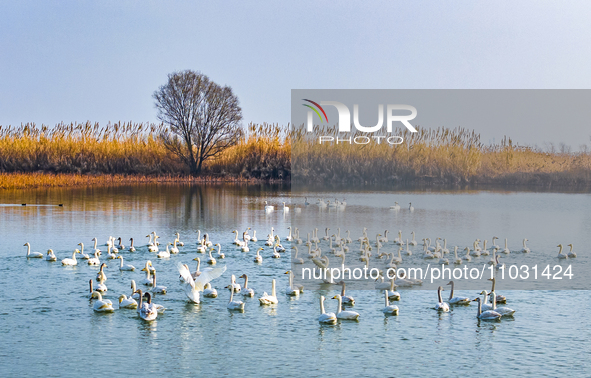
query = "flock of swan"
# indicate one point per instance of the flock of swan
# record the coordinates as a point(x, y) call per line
point(320, 250)
point(196, 284)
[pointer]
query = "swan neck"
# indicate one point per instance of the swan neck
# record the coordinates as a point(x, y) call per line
point(321, 305)
point(273, 288)
point(451, 293)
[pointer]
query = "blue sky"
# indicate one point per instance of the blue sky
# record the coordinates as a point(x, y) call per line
point(102, 60)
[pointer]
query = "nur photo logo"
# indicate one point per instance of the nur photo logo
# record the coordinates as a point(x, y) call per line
point(344, 121)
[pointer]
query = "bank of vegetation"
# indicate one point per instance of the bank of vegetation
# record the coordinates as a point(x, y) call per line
point(90, 154)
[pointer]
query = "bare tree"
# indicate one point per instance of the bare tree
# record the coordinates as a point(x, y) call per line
point(203, 117)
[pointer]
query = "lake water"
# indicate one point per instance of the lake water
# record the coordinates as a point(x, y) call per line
point(48, 327)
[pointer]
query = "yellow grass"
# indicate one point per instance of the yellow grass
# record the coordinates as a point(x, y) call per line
point(442, 156)
point(87, 154)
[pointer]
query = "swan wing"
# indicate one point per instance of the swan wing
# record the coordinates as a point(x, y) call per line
point(186, 275)
point(208, 275)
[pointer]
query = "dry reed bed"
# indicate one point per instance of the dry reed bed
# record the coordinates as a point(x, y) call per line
point(440, 156)
point(87, 154)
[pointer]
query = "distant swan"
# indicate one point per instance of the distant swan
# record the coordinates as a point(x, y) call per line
point(571, 254)
point(525, 248)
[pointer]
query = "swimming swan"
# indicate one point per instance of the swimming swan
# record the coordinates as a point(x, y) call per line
point(457, 300)
point(32, 255)
point(102, 305)
point(441, 305)
point(267, 299)
point(326, 317)
point(344, 315)
point(71, 261)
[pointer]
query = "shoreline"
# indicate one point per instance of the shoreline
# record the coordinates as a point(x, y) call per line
point(46, 180)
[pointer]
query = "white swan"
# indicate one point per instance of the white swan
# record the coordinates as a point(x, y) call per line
point(413, 242)
point(95, 260)
point(504, 311)
point(291, 289)
point(95, 249)
point(178, 240)
point(234, 305)
point(476, 249)
point(164, 254)
point(344, 315)
point(234, 286)
point(131, 247)
point(457, 300)
point(396, 206)
point(152, 247)
point(498, 297)
point(560, 254)
point(485, 305)
point(209, 292)
point(83, 255)
point(295, 259)
point(275, 254)
point(267, 299)
point(254, 238)
point(174, 249)
point(32, 255)
point(457, 260)
point(506, 250)
point(410, 208)
point(571, 254)
point(220, 253)
point(102, 305)
point(148, 280)
point(485, 315)
point(268, 207)
point(50, 256)
point(484, 251)
point(71, 261)
point(246, 291)
point(134, 293)
point(211, 260)
point(155, 288)
point(127, 302)
point(347, 300)
point(525, 248)
point(125, 267)
point(111, 256)
point(389, 309)
point(467, 257)
point(441, 305)
point(193, 287)
point(326, 317)
point(285, 208)
point(258, 258)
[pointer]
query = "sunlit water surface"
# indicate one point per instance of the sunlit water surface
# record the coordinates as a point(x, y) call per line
point(48, 327)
